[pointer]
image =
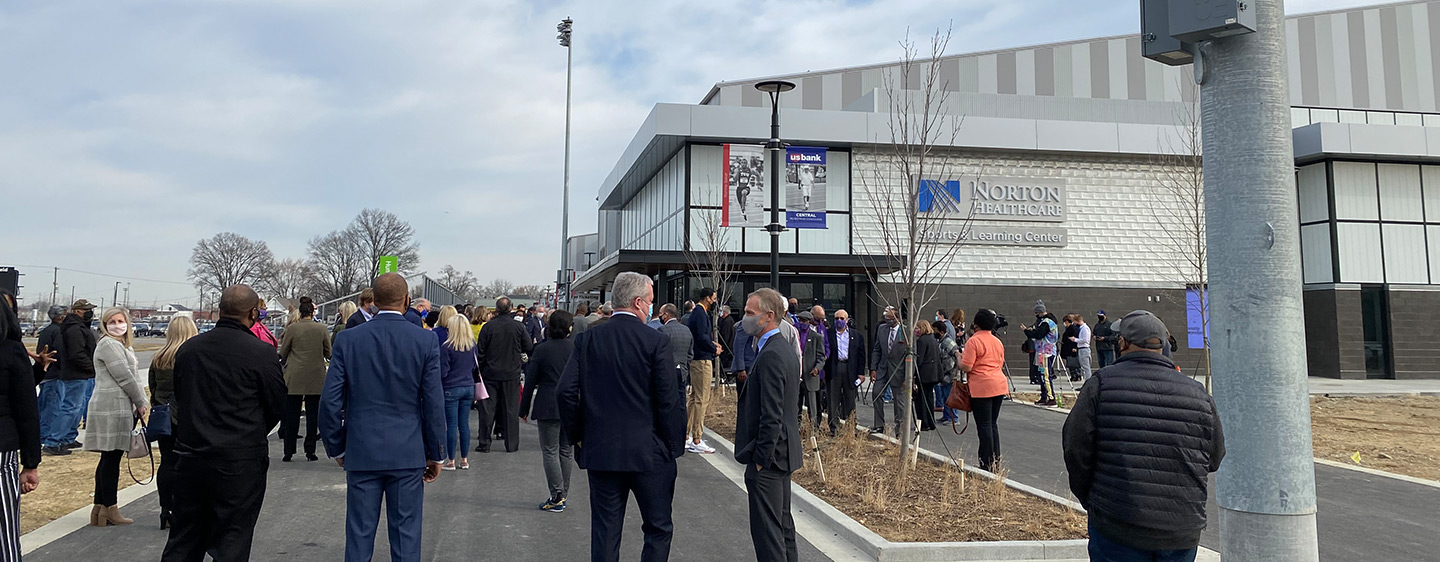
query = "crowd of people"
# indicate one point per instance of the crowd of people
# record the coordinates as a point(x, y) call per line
point(620, 391)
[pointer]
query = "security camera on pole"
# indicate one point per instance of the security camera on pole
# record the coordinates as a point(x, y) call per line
point(1266, 484)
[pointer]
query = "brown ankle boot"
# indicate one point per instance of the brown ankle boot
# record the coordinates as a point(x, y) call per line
point(112, 514)
point(95, 516)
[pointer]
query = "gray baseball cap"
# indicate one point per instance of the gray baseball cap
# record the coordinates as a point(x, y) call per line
point(1142, 329)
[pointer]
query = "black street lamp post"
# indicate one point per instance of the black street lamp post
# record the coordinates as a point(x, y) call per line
point(774, 88)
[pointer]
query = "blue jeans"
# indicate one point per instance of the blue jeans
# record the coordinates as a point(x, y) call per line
point(1104, 550)
point(1107, 357)
point(73, 408)
point(52, 398)
point(457, 419)
point(942, 393)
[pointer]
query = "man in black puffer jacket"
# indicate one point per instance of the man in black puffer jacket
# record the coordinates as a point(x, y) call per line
point(1140, 444)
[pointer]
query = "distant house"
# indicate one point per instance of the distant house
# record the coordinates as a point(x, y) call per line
point(171, 309)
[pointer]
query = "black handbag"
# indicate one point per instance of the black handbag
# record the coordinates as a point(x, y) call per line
point(159, 425)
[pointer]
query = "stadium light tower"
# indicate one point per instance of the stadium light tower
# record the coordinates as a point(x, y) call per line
point(563, 299)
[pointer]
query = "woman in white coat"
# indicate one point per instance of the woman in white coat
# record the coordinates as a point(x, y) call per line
point(118, 400)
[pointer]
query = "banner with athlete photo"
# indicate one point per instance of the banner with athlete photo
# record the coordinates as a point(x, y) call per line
point(805, 187)
point(745, 186)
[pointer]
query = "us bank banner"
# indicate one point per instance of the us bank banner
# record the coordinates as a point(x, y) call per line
point(746, 184)
point(805, 182)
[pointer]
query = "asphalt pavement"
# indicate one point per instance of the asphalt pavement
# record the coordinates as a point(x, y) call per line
point(1361, 517)
point(486, 513)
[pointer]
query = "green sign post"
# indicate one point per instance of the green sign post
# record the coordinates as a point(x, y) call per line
point(389, 264)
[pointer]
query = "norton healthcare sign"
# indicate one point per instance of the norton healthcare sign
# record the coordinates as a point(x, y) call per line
point(974, 203)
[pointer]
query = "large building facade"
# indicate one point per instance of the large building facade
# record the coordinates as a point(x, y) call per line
point(1067, 161)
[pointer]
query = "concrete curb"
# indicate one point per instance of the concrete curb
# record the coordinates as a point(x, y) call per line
point(78, 519)
point(883, 550)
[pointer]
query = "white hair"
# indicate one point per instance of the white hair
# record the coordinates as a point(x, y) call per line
point(628, 287)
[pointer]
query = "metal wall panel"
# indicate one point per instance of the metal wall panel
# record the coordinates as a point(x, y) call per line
point(1405, 255)
point(1356, 197)
point(1361, 260)
point(1400, 198)
point(1315, 254)
point(1314, 194)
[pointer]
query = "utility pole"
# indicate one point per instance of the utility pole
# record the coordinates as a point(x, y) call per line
point(565, 28)
point(55, 286)
point(1266, 484)
point(115, 296)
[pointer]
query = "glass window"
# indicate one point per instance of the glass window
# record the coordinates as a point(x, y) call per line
point(1432, 120)
point(837, 181)
point(1433, 234)
point(1405, 259)
point(1355, 194)
point(1351, 116)
point(1380, 117)
point(1409, 119)
point(1430, 179)
point(1400, 192)
point(1360, 255)
point(1299, 117)
point(1324, 116)
point(1315, 253)
point(706, 171)
point(1314, 193)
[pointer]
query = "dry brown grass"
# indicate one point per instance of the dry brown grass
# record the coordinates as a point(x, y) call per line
point(67, 483)
point(1400, 435)
point(933, 504)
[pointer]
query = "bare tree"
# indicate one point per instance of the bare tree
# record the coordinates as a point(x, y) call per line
point(286, 279)
point(336, 264)
point(1181, 217)
point(497, 288)
point(228, 259)
point(915, 218)
point(380, 233)
point(461, 283)
point(532, 291)
point(707, 252)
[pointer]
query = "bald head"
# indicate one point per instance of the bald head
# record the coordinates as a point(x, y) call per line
point(391, 292)
point(237, 302)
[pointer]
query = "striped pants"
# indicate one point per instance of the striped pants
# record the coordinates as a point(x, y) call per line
point(10, 506)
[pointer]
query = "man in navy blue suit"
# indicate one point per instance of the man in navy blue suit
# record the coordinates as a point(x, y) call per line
point(382, 418)
point(622, 404)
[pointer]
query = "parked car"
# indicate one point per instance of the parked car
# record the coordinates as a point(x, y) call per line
point(142, 329)
point(27, 329)
point(160, 329)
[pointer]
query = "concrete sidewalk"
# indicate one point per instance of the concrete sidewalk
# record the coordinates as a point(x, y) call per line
point(1361, 516)
point(486, 513)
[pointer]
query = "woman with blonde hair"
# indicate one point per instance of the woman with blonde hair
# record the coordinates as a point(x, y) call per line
point(458, 360)
point(477, 320)
point(347, 309)
point(162, 391)
point(927, 373)
point(118, 401)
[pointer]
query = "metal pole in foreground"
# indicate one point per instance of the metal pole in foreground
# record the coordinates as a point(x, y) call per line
point(1266, 484)
point(775, 88)
point(774, 227)
point(563, 300)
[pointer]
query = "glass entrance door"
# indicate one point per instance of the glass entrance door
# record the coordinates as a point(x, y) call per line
point(1375, 319)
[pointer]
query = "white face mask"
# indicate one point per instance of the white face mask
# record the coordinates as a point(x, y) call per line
point(117, 329)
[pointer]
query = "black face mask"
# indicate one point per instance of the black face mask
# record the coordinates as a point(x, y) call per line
point(792, 308)
point(89, 315)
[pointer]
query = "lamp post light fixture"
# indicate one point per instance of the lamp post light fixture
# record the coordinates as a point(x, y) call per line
point(565, 27)
point(774, 88)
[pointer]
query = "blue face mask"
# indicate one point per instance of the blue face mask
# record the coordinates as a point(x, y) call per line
point(263, 313)
point(650, 312)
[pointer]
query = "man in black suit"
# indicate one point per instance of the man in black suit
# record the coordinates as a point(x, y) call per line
point(885, 361)
point(500, 347)
point(844, 368)
point(229, 392)
point(767, 429)
point(620, 404)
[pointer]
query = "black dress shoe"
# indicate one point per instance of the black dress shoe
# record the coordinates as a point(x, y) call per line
point(482, 449)
point(73, 445)
point(287, 458)
point(312, 457)
point(164, 520)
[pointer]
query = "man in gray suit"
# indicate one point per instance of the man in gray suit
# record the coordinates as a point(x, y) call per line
point(888, 340)
point(767, 429)
point(682, 344)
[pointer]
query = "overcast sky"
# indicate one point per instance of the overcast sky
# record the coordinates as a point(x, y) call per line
point(131, 129)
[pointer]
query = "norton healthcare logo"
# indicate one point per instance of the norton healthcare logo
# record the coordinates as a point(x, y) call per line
point(997, 199)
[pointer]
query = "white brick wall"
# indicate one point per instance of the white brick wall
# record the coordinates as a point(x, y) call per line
point(1111, 219)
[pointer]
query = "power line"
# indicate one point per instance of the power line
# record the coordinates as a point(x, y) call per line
point(113, 276)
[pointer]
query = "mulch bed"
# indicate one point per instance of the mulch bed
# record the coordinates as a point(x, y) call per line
point(931, 504)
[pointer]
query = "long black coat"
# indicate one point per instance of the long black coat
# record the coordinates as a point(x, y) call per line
point(19, 416)
point(927, 359)
point(229, 393)
point(542, 376)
